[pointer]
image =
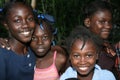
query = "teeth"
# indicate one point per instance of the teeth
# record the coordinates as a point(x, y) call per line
point(83, 68)
point(25, 33)
point(40, 50)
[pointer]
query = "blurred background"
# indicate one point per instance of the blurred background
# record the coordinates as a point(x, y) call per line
point(68, 14)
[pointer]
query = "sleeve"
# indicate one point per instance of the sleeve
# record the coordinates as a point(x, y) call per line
point(2, 66)
point(109, 75)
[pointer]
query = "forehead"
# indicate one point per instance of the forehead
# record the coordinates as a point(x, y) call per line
point(103, 14)
point(42, 29)
point(81, 45)
point(18, 8)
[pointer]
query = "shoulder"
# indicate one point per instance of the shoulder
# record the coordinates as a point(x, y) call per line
point(60, 52)
point(3, 51)
point(103, 74)
point(107, 74)
point(61, 58)
point(69, 73)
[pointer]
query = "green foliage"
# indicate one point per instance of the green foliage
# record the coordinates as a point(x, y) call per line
point(3, 32)
point(68, 14)
point(115, 33)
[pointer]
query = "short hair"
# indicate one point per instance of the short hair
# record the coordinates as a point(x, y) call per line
point(82, 33)
point(8, 6)
point(90, 8)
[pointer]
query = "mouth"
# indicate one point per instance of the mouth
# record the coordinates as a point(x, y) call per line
point(83, 68)
point(26, 32)
point(40, 49)
point(106, 31)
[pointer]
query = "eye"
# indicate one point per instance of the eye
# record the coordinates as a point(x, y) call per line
point(45, 37)
point(31, 18)
point(76, 56)
point(17, 21)
point(102, 22)
point(109, 22)
point(34, 38)
point(89, 55)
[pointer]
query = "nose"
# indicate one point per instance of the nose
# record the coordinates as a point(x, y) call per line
point(25, 24)
point(108, 25)
point(40, 41)
point(82, 60)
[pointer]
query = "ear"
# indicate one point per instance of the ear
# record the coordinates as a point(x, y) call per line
point(5, 25)
point(87, 22)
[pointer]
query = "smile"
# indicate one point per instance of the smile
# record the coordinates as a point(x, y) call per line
point(83, 68)
point(26, 33)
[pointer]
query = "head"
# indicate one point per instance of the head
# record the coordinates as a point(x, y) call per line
point(98, 18)
point(42, 39)
point(19, 21)
point(84, 48)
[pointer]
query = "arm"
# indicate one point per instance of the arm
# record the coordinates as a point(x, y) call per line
point(4, 43)
point(61, 59)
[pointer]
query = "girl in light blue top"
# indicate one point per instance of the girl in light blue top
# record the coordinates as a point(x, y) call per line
point(84, 48)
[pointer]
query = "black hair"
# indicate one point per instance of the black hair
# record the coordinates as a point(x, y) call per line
point(82, 33)
point(47, 24)
point(8, 6)
point(92, 7)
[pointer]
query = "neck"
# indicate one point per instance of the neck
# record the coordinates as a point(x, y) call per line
point(18, 47)
point(89, 76)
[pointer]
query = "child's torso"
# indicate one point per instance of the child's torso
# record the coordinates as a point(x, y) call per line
point(49, 73)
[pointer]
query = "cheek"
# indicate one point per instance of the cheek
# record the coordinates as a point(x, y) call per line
point(33, 45)
point(92, 61)
point(96, 29)
point(47, 44)
point(74, 62)
point(33, 24)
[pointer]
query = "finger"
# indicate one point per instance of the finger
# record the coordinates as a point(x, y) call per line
point(2, 42)
point(2, 46)
point(8, 48)
point(6, 40)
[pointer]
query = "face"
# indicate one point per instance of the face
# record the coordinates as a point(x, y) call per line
point(20, 22)
point(100, 23)
point(83, 60)
point(41, 41)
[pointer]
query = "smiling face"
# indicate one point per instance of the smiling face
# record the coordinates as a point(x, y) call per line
point(20, 22)
point(41, 40)
point(83, 57)
point(100, 23)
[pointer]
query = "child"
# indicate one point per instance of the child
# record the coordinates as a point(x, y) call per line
point(50, 60)
point(83, 48)
point(98, 19)
point(18, 63)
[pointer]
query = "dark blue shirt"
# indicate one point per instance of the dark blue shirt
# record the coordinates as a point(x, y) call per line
point(16, 67)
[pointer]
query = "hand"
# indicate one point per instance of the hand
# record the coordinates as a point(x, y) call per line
point(117, 45)
point(109, 48)
point(4, 43)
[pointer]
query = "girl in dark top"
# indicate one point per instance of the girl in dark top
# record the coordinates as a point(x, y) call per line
point(98, 19)
point(18, 63)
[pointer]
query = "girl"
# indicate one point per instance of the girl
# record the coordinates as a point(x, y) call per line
point(83, 48)
point(50, 60)
point(18, 63)
point(98, 19)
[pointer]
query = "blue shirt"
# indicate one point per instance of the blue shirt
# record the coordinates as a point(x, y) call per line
point(16, 67)
point(99, 74)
